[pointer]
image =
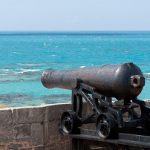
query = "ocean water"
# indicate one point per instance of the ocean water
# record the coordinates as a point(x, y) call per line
point(25, 55)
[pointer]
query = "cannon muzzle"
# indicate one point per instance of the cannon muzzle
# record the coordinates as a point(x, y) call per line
point(122, 81)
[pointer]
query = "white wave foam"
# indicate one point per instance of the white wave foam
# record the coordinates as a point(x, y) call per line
point(3, 74)
point(5, 69)
point(15, 52)
point(147, 75)
point(16, 73)
point(82, 66)
point(29, 70)
point(29, 64)
point(84, 48)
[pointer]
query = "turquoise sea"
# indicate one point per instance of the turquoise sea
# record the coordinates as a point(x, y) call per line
point(25, 55)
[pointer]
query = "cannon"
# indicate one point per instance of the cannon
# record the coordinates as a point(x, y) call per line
point(110, 91)
point(119, 80)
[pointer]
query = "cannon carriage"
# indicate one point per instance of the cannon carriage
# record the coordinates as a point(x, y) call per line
point(97, 86)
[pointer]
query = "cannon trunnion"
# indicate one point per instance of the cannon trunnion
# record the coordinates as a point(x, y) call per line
point(97, 85)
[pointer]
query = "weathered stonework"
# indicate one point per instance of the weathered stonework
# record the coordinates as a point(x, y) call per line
point(22, 131)
point(28, 115)
point(32, 128)
point(35, 128)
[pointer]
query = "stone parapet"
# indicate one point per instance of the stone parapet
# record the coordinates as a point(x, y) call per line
point(35, 128)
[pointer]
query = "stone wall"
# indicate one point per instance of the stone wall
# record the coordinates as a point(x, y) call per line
point(34, 128)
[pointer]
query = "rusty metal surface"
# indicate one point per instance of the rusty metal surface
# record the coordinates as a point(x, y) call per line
point(117, 80)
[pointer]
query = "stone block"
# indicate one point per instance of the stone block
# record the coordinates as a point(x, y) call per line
point(5, 116)
point(6, 133)
point(53, 127)
point(2, 147)
point(22, 131)
point(36, 134)
point(60, 146)
point(68, 144)
point(26, 149)
point(12, 146)
point(52, 139)
point(45, 133)
point(50, 128)
point(39, 148)
point(55, 138)
point(28, 115)
point(51, 132)
point(50, 147)
point(54, 112)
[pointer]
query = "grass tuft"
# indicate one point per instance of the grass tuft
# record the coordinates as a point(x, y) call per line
point(3, 105)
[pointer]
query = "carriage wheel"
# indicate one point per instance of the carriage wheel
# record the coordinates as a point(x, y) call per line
point(69, 122)
point(106, 125)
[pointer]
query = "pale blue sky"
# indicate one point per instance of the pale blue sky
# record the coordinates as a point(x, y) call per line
point(58, 15)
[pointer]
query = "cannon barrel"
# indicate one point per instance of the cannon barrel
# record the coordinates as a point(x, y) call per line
point(122, 81)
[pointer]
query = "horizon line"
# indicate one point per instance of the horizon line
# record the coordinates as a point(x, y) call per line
point(73, 30)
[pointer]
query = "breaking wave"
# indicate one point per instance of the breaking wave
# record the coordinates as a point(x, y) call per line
point(21, 100)
point(16, 75)
point(147, 76)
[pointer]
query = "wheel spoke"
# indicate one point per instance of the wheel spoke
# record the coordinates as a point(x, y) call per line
point(105, 125)
point(67, 122)
point(104, 118)
point(106, 132)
